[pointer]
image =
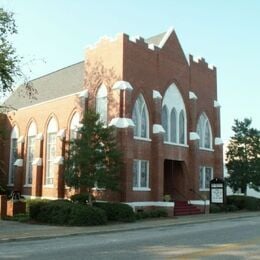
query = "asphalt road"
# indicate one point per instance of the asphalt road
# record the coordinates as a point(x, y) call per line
point(228, 239)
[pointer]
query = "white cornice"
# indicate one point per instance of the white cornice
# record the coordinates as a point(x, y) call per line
point(122, 122)
point(157, 129)
point(157, 94)
point(122, 85)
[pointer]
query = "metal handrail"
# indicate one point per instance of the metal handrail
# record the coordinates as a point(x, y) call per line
point(183, 196)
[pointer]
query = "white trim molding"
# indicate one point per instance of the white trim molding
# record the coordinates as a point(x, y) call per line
point(194, 136)
point(20, 139)
point(150, 204)
point(39, 136)
point(122, 85)
point(121, 122)
point(157, 129)
point(61, 134)
point(151, 46)
point(192, 96)
point(216, 104)
point(218, 141)
point(84, 93)
point(157, 94)
point(165, 37)
point(59, 160)
point(199, 202)
point(37, 161)
point(18, 163)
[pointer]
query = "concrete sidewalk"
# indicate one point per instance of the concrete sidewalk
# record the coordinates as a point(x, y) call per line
point(14, 231)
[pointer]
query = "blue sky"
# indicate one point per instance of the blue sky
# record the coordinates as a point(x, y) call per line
point(54, 34)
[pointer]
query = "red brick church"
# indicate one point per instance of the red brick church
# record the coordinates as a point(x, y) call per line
point(164, 106)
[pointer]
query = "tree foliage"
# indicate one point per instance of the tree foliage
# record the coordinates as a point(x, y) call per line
point(9, 61)
point(243, 157)
point(93, 158)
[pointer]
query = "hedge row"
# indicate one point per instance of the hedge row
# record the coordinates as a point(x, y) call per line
point(157, 213)
point(62, 212)
point(244, 202)
point(235, 203)
point(117, 211)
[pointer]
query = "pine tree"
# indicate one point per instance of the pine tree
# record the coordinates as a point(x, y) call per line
point(93, 158)
point(243, 157)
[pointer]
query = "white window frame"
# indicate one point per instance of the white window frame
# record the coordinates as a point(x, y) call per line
point(140, 108)
point(202, 176)
point(13, 156)
point(139, 186)
point(102, 103)
point(51, 143)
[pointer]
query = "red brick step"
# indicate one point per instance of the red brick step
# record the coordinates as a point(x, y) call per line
point(183, 208)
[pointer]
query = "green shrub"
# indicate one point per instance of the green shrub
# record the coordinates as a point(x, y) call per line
point(156, 213)
point(230, 208)
point(81, 198)
point(62, 212)
point(117, 211)
point(215, 208)
point(244, 202)
point(142, 214)
point(87, 216)
point(20, 217)
point(34, 207)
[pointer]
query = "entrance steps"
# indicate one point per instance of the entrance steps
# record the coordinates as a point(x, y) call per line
point(183, 208)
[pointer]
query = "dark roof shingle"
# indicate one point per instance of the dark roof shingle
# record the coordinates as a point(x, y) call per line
point(59, 83)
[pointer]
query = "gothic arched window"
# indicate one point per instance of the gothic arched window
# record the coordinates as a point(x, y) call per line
point(32, 132)
point(204, 132)
point(13, 154)
point(140, 118)
point(174, 116)
point(101, 103)
point(51, 151)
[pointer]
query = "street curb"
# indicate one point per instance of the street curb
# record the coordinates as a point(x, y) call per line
point(136, 228)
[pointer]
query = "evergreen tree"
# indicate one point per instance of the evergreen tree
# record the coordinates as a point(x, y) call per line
point(243, 157)
point(93, 158)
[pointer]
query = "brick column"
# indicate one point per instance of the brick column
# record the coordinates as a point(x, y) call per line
point(58, 181)
point(157, 160)
point(20, 167)
point(219, 163)
point(193, 142)
point(37, 169)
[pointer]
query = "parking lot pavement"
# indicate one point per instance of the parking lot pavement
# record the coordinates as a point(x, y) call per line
point(11, 230)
